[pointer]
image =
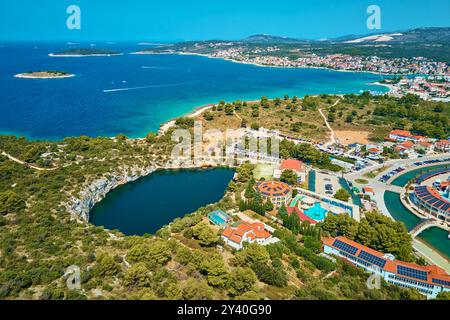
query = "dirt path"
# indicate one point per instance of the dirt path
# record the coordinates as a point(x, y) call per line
point(10, 157)
point(333, 136)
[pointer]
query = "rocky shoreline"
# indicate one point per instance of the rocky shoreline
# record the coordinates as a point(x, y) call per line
point(96, 191)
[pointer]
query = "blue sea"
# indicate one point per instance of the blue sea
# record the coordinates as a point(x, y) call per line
point(134, 94)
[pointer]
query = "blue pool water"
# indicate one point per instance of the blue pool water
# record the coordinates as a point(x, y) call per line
point(316, 212)
point(133, 94)
point(219, 217)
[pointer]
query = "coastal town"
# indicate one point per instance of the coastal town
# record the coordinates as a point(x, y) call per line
point(435, 88)
point(265, 56)
point(424, 77)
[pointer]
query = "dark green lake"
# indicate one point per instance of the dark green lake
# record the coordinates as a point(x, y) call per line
point(435, 237)
point(145, 205)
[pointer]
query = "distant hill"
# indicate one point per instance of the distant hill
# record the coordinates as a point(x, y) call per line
point(265, 38)
point(419, 35)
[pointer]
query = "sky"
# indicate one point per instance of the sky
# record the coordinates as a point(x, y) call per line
point(177, 20)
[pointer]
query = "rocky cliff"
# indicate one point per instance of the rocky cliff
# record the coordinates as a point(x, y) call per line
point(80, 207)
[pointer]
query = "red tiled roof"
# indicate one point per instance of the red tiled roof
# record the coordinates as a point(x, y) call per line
point(424, 143)
point(251, 236)
point(301, 215)
point(407, 144)
point(391, 265)
point(244, 226)
point(258, 226)
point(261, 234)
point(374, 150)
point(402, 133)
point(442, 143)
point(368, 189)
point(227, 232)
point(235, 238)
point(291, 164)
point(251, 230)
point(240, 232)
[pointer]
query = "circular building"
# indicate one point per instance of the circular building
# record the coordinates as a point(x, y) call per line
point(279, 193)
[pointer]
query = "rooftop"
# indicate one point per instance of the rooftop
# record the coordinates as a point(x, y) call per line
point(429, 274)
point(242, 229)
point(402, 133)
point(273, 188)
point(291, 164)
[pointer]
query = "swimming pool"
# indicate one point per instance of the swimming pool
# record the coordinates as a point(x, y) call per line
point(316, 212)
point(219, 217)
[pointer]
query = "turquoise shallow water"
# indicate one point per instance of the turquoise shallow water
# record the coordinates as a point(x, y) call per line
point(133, 94)
point(145, 205)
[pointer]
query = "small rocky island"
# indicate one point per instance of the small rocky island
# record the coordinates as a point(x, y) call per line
point(44, 75)
point(85, 53)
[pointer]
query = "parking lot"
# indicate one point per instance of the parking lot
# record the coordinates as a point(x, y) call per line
point(396, 171)
point(326, 185)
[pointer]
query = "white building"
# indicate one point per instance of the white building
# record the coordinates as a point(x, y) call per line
point(256, 232)
point(428, 280)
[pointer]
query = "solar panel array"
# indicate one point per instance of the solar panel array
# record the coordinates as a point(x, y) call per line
point(431, 174)
point(380, 262)
point(424, 194)
point(442, 282)
point(412, 273)
point(345, 247)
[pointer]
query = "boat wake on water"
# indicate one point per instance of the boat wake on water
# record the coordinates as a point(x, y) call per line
point(153, 86)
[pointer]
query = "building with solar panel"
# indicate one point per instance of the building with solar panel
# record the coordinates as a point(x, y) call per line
point(428, 280)
point(431, 202)
point(279, 193)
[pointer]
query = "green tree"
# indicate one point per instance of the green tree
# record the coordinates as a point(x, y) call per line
point(196, 290)
point(106, 266)
point(216, 272)
point(241, 281)
point(249, 191)
point(151, 137)
point(154, 254)
point(250, 295)
point(268, 206)
point(229, 109)
point(254, 126)
point(10, 202)
point(289, 176)
point(342, 195)
point(137, 276)
point(204, 234)
point(251, 254)
point(208, 116)
point(443, 296)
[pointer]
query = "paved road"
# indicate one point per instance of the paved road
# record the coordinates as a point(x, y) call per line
point(393, 164)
